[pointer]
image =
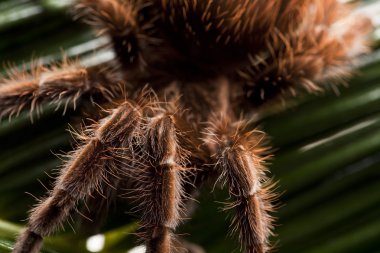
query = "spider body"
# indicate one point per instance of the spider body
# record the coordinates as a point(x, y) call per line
point(187, 77)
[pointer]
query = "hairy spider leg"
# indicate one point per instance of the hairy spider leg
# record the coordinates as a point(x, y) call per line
point(319, 52)
point(80, 176)
point(121, 20)
point(63, 83)
point(240, 164)
point(163, 184)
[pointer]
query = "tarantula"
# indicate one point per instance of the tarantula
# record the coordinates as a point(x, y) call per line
point(176, 103)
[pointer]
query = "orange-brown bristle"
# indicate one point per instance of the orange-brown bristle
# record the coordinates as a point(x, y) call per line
point(322, 47)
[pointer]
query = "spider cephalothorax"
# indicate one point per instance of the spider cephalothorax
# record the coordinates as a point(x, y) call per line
point(186, 77)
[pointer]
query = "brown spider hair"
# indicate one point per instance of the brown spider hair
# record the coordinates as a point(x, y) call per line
point(206, 67)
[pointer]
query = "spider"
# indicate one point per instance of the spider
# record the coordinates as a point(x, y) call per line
point(177, 104)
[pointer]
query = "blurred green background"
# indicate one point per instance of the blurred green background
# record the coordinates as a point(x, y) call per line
point(327, 152)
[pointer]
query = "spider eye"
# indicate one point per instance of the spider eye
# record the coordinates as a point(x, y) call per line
point(265, 88)
point(126, 48)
